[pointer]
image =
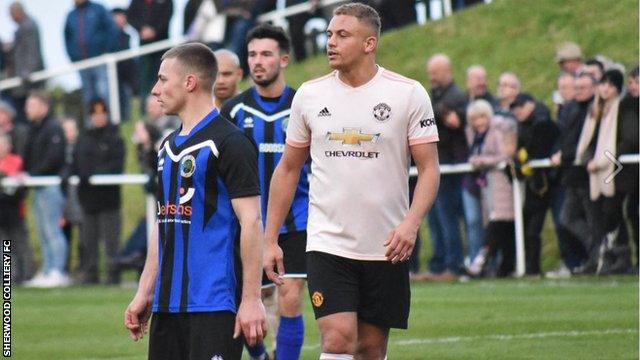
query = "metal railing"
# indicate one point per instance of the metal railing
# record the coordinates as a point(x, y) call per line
point(518, 201)
point(111, 59)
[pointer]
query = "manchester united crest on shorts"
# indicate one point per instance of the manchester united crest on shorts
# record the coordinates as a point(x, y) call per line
point(382, 112)
point(317, 299)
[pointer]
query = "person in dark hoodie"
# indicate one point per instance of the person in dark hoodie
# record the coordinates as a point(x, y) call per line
point(627, 140)
point(536, 137)
point(44, 155)
point(99, 150)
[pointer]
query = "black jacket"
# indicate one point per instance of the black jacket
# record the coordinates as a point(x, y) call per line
point(44, 152)
point(99, 151)
point(156, 15)
point(627, 142)
point(452, 147)
point(537, 135)
point(575, 114)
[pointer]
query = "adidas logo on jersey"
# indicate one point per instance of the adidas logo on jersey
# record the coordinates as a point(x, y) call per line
point(324, 112)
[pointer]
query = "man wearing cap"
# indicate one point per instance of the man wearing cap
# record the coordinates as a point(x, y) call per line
point(569, 57)
point(536, 137)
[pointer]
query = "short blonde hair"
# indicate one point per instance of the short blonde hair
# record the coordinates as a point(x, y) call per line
point(363, 13)
point(479, 108)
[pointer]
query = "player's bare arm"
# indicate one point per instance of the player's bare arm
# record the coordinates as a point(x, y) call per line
point(137, 314)
point(251, 318)
point(402, 239)
point(281, 192)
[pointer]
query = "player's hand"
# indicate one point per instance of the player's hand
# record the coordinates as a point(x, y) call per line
point(556, 159)
point(251, 321)
point(136, 316)
point(400, 242)
point(273, 263)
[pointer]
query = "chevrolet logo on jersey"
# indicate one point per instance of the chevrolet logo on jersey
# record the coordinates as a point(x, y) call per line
point(352, 136)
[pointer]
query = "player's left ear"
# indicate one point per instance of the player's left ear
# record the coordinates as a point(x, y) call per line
point(190, 82)
point(370, 44)
point(284, 60)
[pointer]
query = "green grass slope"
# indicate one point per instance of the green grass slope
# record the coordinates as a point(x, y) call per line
point(515, 35)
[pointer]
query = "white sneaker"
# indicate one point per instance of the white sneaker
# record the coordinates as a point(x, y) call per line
point(55, 279)
point(36, 281)
point(561, 272)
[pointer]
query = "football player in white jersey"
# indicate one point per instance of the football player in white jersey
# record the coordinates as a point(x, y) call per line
point(360, 125)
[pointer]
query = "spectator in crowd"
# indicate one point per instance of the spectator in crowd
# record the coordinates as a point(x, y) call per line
point(396, 13)
point(190, 13)
point(89, 31)
point(99, 150)
point(577, 214)
point(477, 87)
point(448, 104)
point(127, 69)
point(13, 214)
point(627, 180)
point(146, 137)
point(536, 137)
point(297, 24)
point(599, 138)
point(228, 78)
point(562, 96)
point(72, 213)
point(19, 133)
point(208, 25)
point(508, 89)
point(569, 57)
point(241, 16)
point(44, 155)
point(151, 19)
point(594, 67)
point(493, 140)
point(26, 54)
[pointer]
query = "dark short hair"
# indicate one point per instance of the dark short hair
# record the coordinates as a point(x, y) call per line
point(596, 63)
point(522, 99)
point(267, 31)
point(197, 58)
point(634, 72)
point(363, 13)
point(118, 10)
point(98, 106)
point(587, 75)
point(41, 95)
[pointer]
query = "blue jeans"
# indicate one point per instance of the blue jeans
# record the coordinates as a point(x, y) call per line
point(48, 203)
point(473, 219)
point(95, 84)
point(444, 225)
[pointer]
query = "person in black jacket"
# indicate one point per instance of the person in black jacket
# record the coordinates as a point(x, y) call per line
point(151, 19)
point(577, 213)
point(449, 103)
point(44, 155)
point(627, 141)
point(99, 150)
point(536, 137)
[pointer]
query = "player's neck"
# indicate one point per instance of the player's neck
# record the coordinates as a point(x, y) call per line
point(273, 90)
point(194, 111)
point(359, 74)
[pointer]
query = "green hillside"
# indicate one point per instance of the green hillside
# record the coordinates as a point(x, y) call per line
point(516, 35)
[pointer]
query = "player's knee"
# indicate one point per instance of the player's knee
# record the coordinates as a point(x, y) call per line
point(370, 352)
point(290, 303)
point(338, 341)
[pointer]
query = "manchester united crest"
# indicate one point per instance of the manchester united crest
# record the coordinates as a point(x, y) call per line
point(317, 299)
point(382, 112)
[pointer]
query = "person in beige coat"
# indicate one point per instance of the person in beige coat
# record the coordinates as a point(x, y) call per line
point(498, 147)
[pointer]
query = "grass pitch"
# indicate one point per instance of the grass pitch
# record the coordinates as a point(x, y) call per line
point(580, 318)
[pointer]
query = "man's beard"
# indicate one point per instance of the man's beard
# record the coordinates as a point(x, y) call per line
point(266, 81)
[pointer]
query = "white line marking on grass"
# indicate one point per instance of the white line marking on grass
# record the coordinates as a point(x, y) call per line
point(500, 337)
